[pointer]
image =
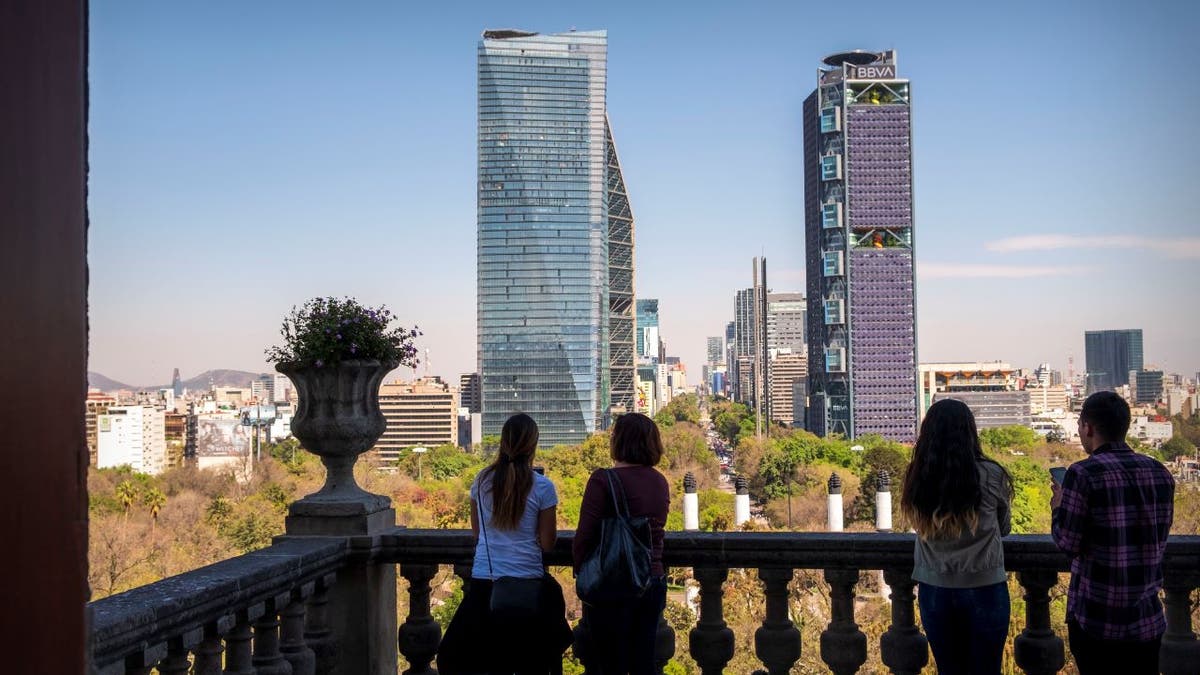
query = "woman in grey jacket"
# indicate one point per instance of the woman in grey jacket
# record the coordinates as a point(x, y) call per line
point(958, 502)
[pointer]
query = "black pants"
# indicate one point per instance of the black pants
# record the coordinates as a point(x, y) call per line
point(622, 636)
point(475, 643)
point(1094, 656)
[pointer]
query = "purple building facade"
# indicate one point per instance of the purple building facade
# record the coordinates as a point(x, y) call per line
point(859, 238)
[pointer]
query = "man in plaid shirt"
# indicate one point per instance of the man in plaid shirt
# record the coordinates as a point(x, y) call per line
point(1112, 514)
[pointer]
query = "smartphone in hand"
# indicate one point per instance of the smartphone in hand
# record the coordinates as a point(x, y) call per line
point(1058, 473)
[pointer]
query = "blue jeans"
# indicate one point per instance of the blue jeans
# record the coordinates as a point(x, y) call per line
point(966, 627)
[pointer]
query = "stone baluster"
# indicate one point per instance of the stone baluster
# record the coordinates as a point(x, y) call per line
point(267, 658)
point(581, 643)
point(177, 661)
point(208, 652)
point(291, 636)
point(463, 572)
point(1180, 649)
point(902, 647)
point(420, 634)
point(318, 634)
point(238, 660)
point(843, 645)
point(711, 641)
point(1038, 651)
point(777, 641)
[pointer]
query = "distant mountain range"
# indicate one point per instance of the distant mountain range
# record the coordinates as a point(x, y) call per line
point(220, 378)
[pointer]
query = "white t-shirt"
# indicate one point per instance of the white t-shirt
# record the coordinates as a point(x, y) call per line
point(514, 553)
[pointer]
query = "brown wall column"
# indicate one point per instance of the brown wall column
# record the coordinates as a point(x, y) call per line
point(43, 334)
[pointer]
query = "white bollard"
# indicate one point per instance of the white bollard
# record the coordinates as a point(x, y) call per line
point(691, 504)
point(835, 520)
point(883, 502)
point(741, 502)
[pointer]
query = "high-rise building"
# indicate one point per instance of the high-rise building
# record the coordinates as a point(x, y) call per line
point(786, 322)
point(715, 350)
point(555, 240)
point(787, 369)
point(468, 392)
point(176, 384)
point(859, 241)
point(749, 355)
point(649, 340)
point(1110, 355)
point(1147, 386)
point(96, 404)
point(133, 436)
point(422, 413)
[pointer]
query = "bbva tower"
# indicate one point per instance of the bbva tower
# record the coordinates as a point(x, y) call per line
point(858, 194)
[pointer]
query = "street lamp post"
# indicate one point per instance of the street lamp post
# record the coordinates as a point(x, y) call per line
point(418, 451)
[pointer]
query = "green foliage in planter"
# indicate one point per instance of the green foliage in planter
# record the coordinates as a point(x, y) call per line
point(326, 331)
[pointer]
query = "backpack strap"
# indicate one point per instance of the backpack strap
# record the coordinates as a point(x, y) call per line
point(621, 507)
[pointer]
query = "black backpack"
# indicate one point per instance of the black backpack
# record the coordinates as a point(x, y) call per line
point(618, 569)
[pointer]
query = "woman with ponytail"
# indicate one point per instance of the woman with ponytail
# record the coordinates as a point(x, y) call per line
point(513, 517)
point(958, 502)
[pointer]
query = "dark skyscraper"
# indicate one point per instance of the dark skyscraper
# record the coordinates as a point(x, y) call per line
point(859, 240)
point(1110, 355)
point(176, 384)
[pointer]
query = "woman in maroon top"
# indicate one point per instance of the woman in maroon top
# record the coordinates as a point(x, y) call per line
point(623, 636)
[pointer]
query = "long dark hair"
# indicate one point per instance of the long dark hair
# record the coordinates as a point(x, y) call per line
point(512, 472)
point(942, 493)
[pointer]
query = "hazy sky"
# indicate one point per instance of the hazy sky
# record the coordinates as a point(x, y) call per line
point(246, 156)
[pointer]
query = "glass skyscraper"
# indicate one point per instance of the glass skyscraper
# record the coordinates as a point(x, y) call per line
point(555, 237)
point(648, 336)
point(1110, 356)
point(859, 239)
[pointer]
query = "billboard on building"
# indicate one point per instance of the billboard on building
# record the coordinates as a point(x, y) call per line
point(222, 436)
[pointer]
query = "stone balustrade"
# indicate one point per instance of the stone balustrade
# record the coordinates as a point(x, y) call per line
point(841, 556)
point(267, 612)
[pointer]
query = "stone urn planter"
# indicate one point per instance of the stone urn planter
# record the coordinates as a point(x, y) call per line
point(338, 418)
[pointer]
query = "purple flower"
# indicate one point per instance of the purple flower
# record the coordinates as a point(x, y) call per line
point(339, 336)
point(320, 363)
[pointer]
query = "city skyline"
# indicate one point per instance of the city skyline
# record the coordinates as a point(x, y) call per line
point(244, 166)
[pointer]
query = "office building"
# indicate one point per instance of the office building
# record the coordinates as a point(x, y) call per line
point(133, 436)
point(649, 341)
point(787, 322)
point(469, 392)
point(555, 239)
point(788, 368)
point(422, 413)
point(262, 388)
point(859, 242)
point(715, 350)
point(990, 389)
point(176, 384)
point(97, 403)
point(1048, 399)
point(1110, 355)
point(1147, 386)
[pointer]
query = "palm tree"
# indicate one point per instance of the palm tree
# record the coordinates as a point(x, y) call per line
point(155, 499)
point(127, 495)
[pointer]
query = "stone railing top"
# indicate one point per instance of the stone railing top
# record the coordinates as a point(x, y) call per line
point(144, 618)
point(800, 550)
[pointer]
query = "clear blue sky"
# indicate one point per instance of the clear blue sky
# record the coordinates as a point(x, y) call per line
point(248, 155)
